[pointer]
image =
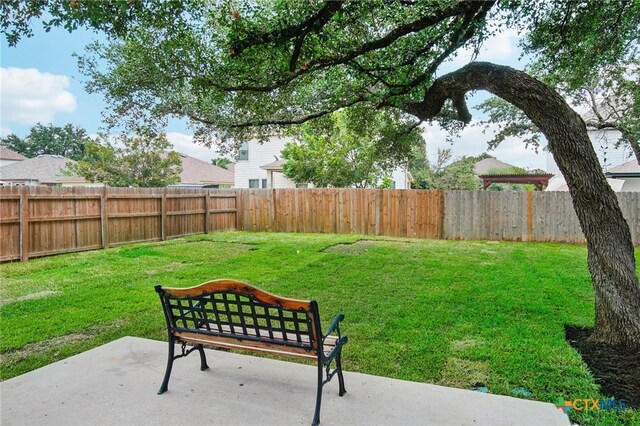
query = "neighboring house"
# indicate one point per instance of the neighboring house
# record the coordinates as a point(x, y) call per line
point(483, 166)
point(604, 144)
point(629, 173)
point(47, 170)
point(9, 157)
point(622, 178)
point(615, 162)
point(200, 174)
point(260, 166)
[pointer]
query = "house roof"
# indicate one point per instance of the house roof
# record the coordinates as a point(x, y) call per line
point(274, 165)
point(198, 172)
point(46, 169)
point(7, 154)
point(483, 166)
point(557, 183)
point(607, 111)
point(628, 167)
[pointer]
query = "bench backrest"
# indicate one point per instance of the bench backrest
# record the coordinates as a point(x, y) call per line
point(229, 308)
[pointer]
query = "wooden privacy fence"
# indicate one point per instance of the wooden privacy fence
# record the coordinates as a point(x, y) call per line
point(524, 216)
point(38, 221)
point(398, 213)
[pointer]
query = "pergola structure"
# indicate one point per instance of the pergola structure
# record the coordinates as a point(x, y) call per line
point(540, 180)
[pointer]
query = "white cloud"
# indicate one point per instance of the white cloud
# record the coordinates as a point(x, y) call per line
point(473, 141)
point(500, 48)
point(30, 96)
point(5, 131)
point(184, 144)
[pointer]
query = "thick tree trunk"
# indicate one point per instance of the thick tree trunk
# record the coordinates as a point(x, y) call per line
point(611, 259)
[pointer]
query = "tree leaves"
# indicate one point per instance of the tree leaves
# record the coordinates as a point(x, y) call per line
point(67, 141)
point(352, 147)
point(142, 161)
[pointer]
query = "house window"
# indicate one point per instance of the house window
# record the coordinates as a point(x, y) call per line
point(243, 152)
point(302, 185)
point(393, 185)
point(254, 183)
point(264, 183)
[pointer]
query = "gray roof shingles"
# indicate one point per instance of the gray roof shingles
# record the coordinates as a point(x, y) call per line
point(7, 154)
point(46, 169)
point(198, 172)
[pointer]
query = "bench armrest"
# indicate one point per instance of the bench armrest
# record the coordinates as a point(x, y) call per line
point(339, 344)
point(335, 326)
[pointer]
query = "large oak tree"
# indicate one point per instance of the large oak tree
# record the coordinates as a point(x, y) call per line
point(242, 69)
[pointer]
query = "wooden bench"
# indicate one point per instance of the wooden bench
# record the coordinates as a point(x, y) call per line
point(234, 315)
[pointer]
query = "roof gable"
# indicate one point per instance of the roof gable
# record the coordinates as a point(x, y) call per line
point(7, 154)
point(198, 172)
point(483, 166)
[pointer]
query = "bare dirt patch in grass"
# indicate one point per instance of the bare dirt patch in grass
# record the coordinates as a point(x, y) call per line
point(54, 344)
point(38, 295)
point(464, 344)
point(464, 373)
point(363, 246)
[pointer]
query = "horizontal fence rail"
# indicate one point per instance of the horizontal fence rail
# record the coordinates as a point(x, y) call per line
point(39, 221)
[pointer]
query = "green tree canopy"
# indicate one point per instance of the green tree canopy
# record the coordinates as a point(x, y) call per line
point(144, 161)
point(353, 147)
point(68, 141)
point(455, 174)
point(245, 68)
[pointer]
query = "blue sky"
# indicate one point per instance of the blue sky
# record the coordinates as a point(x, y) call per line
point(41, 83)
point(51, 55)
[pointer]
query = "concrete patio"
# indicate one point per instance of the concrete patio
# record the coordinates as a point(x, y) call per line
point(117, 384)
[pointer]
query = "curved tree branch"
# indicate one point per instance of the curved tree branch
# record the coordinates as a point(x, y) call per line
point(314, 23)
point(322, 62)
point(611, 258)
point(281, 121)
point(463, 34)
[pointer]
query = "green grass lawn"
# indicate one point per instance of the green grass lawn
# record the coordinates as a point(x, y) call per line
point(445, 312)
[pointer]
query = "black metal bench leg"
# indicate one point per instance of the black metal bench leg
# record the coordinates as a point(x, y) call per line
point(203, 359)
point(316, 415)
point(167, 373)
point(342, 390)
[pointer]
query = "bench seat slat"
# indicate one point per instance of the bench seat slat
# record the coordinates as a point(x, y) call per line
point(233, 342)
point(250, 345)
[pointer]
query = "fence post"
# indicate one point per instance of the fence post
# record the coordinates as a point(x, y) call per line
point(440, 196)
point(163, 215)
point(103, 218)
point(271, 209)
point(24, 223)
point(207, 203)
point(529, 215)
point(239, 211)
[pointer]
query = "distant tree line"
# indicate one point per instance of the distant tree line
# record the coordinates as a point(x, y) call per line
point(145, 160)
